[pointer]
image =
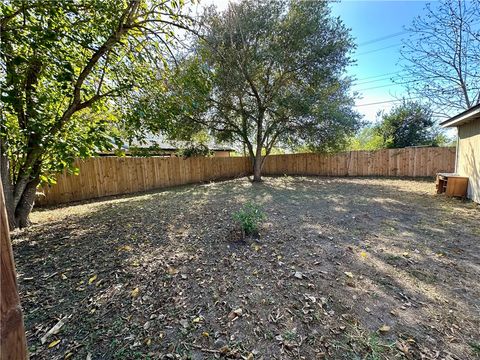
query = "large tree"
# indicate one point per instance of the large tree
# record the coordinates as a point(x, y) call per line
point(278, 75)
point(265, 73)
point(408, 124)
point(62, 62)
point(441, 56)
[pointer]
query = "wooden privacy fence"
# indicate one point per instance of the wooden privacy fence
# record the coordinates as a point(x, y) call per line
point(409, 162)
point(107, 176)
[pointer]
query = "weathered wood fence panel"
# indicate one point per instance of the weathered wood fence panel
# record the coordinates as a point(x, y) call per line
point(107, 176)
point(409, 162)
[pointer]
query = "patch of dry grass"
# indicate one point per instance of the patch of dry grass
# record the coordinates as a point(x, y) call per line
point(387, 269)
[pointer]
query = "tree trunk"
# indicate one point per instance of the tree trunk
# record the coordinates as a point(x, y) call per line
point(25, 205)
point(13, 344)
point(7, 189)
point(257, 165)
point(18, 213)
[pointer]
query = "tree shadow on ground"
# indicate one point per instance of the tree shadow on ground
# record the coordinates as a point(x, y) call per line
point(338, 259)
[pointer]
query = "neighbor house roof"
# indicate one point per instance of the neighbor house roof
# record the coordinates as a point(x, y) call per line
point(160, 142)
point(466, 116)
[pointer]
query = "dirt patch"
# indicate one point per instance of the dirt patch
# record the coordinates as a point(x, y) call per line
point(345, 268)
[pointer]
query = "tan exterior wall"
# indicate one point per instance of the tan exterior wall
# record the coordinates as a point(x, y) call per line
point(468, 157)
point(221, 153)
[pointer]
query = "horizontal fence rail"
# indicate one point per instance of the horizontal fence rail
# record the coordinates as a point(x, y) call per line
point(408, 162)
point(106, 176)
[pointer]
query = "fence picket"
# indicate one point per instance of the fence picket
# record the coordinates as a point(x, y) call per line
point(113, 176)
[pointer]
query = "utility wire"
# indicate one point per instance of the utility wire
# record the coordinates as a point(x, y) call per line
point(381, 75)
point(382, 79)
point(389, 85)
point(382, 38)
point(412, 98)
point(388, 101)
point(403, 83)
point(379, 49)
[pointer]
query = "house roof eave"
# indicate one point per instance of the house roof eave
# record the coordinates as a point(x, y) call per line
point(466, 116)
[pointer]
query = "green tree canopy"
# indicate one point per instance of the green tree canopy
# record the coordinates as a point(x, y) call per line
point(408, 124)
point(367, 138)
point(64, 61)
point(264, 73)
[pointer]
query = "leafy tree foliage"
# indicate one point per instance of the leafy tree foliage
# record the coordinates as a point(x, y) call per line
point(264, 73)
point(167, 104)
point(442, 56)
point(408, 124)
point(63, 62)
point(368, 138)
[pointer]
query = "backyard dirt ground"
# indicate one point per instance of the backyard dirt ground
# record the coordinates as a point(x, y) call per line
point(345, 268)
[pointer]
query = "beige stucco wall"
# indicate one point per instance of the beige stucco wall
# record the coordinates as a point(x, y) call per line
point(468, 157)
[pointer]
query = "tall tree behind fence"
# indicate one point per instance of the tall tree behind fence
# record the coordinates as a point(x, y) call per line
point(113, 176)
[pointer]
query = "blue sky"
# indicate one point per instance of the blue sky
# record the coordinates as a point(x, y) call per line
point(370, 21)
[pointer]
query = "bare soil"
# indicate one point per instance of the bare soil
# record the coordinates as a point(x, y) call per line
point(344, 268)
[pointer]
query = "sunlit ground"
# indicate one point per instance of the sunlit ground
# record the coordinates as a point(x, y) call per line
point(344, 268)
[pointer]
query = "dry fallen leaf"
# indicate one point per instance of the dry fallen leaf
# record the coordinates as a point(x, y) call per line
point(256, 247)
point(197, 319)
point(349, 274)
point(54, 343)
point(92, 279)
point(298, 275)
point(54, 330)
point(205, 334)
point(172, 271)
point(224, 350)
point(135, 292)
point(235, 313)
point(404, 348)
point(384, 329)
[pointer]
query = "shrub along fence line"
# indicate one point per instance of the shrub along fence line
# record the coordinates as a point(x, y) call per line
point(106, 176)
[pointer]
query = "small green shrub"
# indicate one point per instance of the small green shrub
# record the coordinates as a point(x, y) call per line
point(250, 216)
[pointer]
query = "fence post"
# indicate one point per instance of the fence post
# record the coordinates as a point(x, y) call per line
point(13, 345)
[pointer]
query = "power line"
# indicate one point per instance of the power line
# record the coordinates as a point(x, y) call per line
point(381, 75)
point(412, 98)
point(382, 38)
point(377, 80)
point(403, 83)
point(379, 49)
point(371, 81)
point(388, 101)
point(389, 85)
